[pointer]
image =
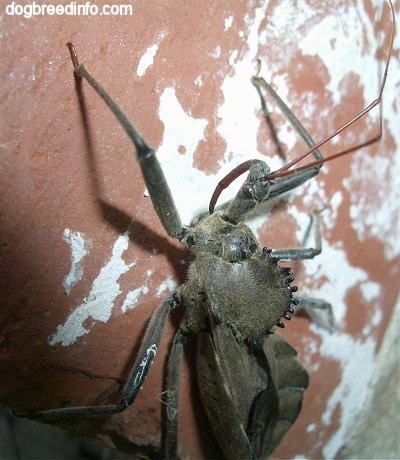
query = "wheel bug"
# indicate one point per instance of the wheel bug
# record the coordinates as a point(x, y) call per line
point(238, 215)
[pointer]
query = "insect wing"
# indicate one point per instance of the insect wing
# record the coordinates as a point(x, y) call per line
point(232, 382)
point(290, 380)
point(251, 396)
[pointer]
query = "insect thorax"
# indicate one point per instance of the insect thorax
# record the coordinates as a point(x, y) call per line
point(234, 279)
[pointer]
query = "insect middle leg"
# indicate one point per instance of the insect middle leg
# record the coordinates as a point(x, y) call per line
point(303, 253)
point(319, 311)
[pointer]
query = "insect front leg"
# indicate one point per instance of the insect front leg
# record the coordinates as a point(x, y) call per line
point(136, 378)
point(153, 175)
point(260, 185)
point(258, 188)
point(259, 83)
point(303, 253)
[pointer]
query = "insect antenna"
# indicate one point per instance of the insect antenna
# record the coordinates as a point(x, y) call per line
point(287, 169)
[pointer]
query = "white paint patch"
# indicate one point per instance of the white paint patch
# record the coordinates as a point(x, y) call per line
point(238, 112)
point(373, 322)
point(216, 53)
point(311, 427)
point(99, 303)
point(374, 210)
point(228, 23)
point(132, 297)
point(370, 291)
point(335, 276)
point(186, 183)
point(357, 358)
point(198, 81)
point(79, 249)
point(333, 266)
point(347, 27)
point(146, 60)
point(167, 285)
point(238, 127)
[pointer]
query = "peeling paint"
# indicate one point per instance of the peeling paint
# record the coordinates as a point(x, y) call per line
point(357, 359)
point(181, 129)
point(99, 303)
point(79, 249)
point(228, 23)
point(132, 297)
point(384, 223)
point(168, 284)
point(146, 60)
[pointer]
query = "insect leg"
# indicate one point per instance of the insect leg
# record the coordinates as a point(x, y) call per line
point(319, 311)
point(138, 373)
point(259, 83)
point(303, 253)
point(284, 184)
point(152, 173)
point(257, 188)
point(172, 394)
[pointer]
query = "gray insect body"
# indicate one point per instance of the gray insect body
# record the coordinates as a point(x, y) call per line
point(245, 288)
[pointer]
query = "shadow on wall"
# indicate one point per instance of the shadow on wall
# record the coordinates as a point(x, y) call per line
point(22, 439)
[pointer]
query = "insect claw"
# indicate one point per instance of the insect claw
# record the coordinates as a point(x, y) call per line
point(293, 288)
point(290, 310)
point(280, 324)
point(295, 301)
point(288, 273)
point(267, 252)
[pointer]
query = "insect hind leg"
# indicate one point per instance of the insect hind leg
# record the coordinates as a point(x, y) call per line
point(144, 359)
point(172, 394)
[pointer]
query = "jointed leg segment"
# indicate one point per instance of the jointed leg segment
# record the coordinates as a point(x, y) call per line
point(139, 371)
point(153, 176)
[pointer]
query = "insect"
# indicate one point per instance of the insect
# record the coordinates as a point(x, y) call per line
point(236, 292)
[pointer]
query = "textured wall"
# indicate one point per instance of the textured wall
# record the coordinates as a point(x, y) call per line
point(85, 260)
